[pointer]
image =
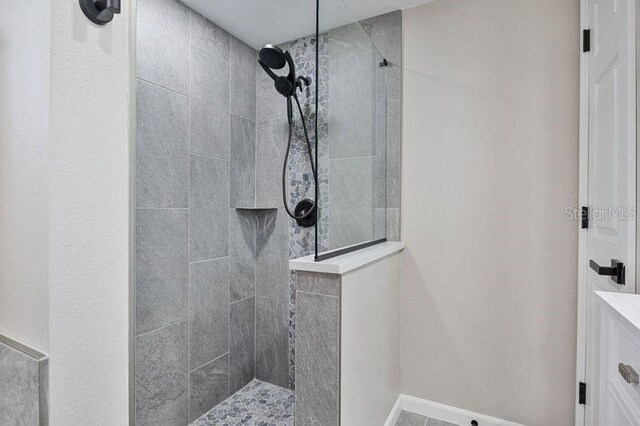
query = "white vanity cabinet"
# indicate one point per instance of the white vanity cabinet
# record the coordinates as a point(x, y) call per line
point(618, 390)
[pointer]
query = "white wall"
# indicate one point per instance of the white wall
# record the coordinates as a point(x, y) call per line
point(370, 342)
point(24, 109)
point(88, 222)
point(490, 161)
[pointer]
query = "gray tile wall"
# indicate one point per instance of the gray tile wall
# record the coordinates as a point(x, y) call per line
point(212, 239)
point(352, 135)
point(364, 131)
point(387, 36)
point(272, 238)
point(195, 253)
point(24, 375)
point(317, 391)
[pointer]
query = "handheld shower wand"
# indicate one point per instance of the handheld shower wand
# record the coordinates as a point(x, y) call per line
point(272, 57)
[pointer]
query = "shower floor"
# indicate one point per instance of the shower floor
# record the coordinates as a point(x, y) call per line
point(256, 404)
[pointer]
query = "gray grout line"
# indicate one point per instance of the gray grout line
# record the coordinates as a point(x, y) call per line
point(255, 290)
point(192, 44)
point(189, 387)
point(162, 87)
point(318, 294)
point(352, 158)
point(162, 208)
point(274, 298)
point(229, 288)
point(229, 223)
point(209, 362)
point(241, 116)
point(207, 260)
point(230, 213)
point(163, 327)
point(210, 156)
point(241, 300)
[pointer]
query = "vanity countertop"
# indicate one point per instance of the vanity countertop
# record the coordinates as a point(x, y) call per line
point(625, 306)
point(347, 262)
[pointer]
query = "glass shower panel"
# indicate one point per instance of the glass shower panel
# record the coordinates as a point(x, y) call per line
point(351, 132)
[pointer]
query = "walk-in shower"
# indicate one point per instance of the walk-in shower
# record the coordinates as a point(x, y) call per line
point(248, 155)
point(272, 58)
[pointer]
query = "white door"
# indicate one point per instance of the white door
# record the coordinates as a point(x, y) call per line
point(611, 192)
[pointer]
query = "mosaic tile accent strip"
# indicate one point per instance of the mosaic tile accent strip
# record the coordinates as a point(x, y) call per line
point(302, 240)
point(258, 403)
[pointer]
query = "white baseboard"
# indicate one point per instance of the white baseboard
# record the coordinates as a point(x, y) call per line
point(441, 412)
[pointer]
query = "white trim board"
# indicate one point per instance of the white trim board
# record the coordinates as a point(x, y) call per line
point(443, 412)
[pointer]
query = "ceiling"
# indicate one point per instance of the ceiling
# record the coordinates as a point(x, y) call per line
point(257, 22)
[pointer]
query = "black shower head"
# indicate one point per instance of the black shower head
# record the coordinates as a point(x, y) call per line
point(272, 56)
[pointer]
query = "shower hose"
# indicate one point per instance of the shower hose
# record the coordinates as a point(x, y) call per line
point(305, 213)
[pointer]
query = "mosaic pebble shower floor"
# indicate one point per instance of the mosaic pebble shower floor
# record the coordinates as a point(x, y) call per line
point(257, 404)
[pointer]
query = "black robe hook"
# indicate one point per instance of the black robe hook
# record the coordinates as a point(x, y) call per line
point(100, 11)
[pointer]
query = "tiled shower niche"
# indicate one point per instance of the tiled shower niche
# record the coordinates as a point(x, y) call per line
point(214, 299)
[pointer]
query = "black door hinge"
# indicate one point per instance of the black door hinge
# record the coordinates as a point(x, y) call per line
point(582, 393)
point(586, 40)
point(584, 217)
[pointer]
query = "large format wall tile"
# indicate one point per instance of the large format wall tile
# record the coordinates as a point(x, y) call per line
point(272, 254)
point(381, 155)
point(389, 81)
point(242, 254)
point(243, 79)
point(162, 267)
point(23, 385)
point(242, 350)
point(162, 147)
point(209, 37)
point(352, 106)
point(209, 208)
point(394, 138)
point(270, 104)
point(209, 313)
point(387, 35)
point(162, 376)
point(209, 104)
point(272, 341)
point(348, 40)
point(163, 43)
point(325, 284)
point(407, 418)
point(209, 386)
point(243, 161)
point(351, 201)
point(393, 224)
point(271, 141)
point(317, 337)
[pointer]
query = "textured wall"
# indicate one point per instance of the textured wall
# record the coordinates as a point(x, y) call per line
point(89, 119)
point(490, 161)
point(24, 118)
